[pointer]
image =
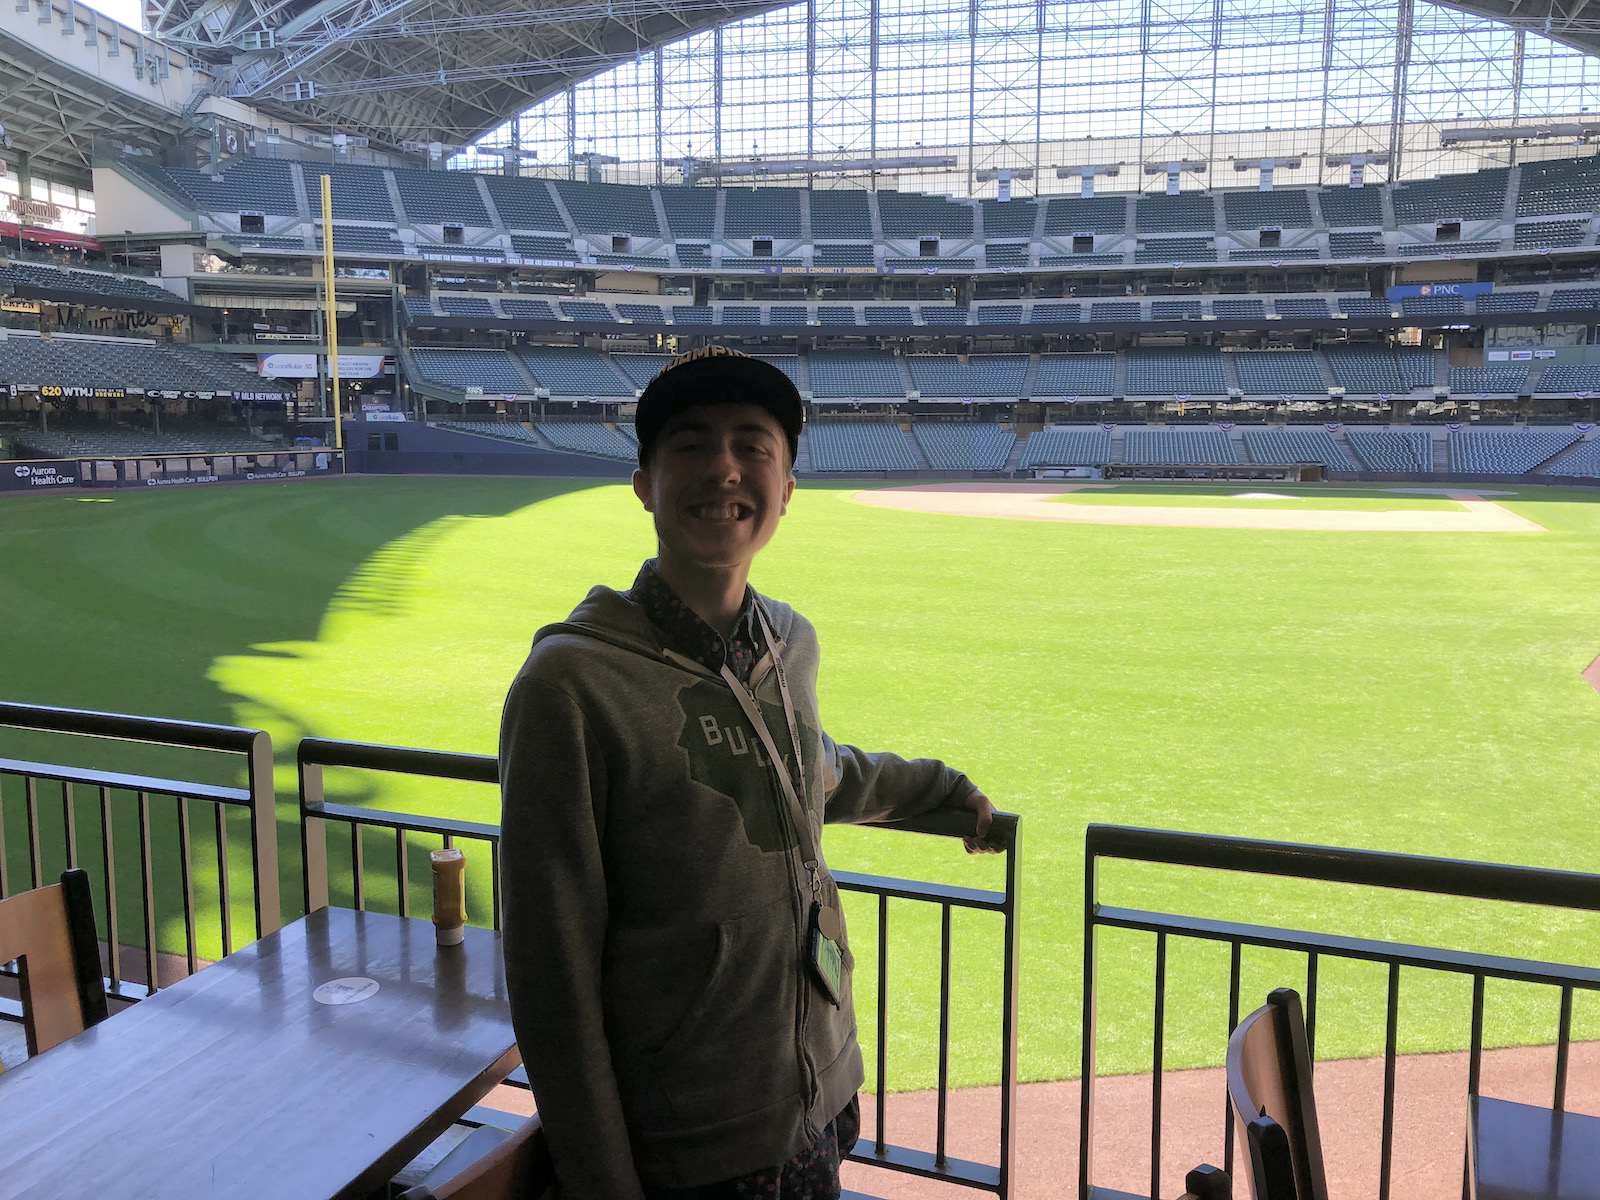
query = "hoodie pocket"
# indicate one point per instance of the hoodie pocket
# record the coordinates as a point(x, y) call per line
point(657, 979)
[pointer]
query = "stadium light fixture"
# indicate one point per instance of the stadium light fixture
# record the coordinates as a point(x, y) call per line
point(1174, 170)
point(1002, 177)
point(1266, 166)
point(1491, 134)
point(1087, 172)
point(705, 168)
point(1358, 164)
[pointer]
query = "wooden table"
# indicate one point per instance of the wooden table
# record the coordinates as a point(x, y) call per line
point(240, 1081)
point(1523, 1152)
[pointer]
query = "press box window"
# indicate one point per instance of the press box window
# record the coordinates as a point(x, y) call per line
point(761, 247)
point(454, 235)
point(252, 223)
point(1083, 243)
point(1447, 231)
point(621, 243)
point(928, 247)
point(1271, 238)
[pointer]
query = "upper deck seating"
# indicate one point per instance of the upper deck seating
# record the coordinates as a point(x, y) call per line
point(911, 215)
point(1005, 254)
point(1433, 306)
point(789, 364)
point(1499, 302)
point(1284, 209)
point(1363, 306)
point(1478, 196)
point(1186, 212)
point(1175, 372)
point(248, 241)
point(1116, 310)
point(1348, 207)
point(648, 313)
point(1447, 247)
point(859, 446)
point(525, 204)
point(1484, 381)
point(588, 437)
point(492, 370)
point(440, 197)
point(641, 368)
point(836, 314)
point(998, 314)
point(964, 446)
point(1582, 461)
point(888, 314)
point(1239, 310)
point(761, 212)
point(840, 214)
point(609, 208)
point(1067, 215)
point(1366, 244)
point(246, 184)
point(1569, 377)
point(63, 281)
point(1551, 233)
point(1075, 375)
point(359, 194)
point(130, 363)
point(1506, 451)
point(1279, 372)
point(843, 255)
point(1083, 260)
point(1051, 310)
point(1294, 444)
point(1066, 448)
point(1008, 218)
point(921, 263)
point(1577, 297)
point(587, 310)
point(741, 314)
point(558, 249)
point(1174, 310)
point(943, 314)
point(1562, 185)
point(1405, 451)
point(1275, 255)
point(464, 306)
point(419, 306)
point(1417, 365)
point(691, 212)
point(837, 373)
point(1176, 447)
point(694, 256)
point(1365, 370)
point(1173, 249)
point(788, 314)
point(980, 375)
point(527, 310)
point(1304, 308)
point(360, 239)
point(574, 371)
point(686, 314)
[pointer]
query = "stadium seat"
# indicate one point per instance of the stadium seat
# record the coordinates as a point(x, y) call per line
point(1279, 373)
point(1269, 1086)
point(1066, 448)
point(1177, 447)
point(588, 437)
point(1175, 372)
point(851, 373)
point(1506, 451)
point(1294, 445)
point(1403, 451)
point(1486, 381)
point(988, 375)
point(964, 446)
point(1075, 375)
point(859, 446)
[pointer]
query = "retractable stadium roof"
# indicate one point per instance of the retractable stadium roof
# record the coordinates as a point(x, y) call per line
point(420, 70)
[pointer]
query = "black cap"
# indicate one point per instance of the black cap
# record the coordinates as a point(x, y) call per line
point(717, 375)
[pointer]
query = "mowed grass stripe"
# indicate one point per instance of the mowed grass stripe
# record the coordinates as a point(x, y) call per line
point(1413, 692)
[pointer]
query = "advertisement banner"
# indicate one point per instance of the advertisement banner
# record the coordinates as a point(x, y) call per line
point(304, 366)
point(1467, 291)
point(16, 477)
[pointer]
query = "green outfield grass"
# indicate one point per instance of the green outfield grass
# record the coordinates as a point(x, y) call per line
point(1416, 692)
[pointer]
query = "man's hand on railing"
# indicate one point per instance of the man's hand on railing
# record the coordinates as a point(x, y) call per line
point(978, 843)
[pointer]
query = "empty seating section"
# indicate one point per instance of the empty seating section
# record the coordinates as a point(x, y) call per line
point(1066, 448)
point(1175, 372)
point(73, 363)
point(888, 314)
point(492, 370)
point(998, 314)
point(1294, 445)
point(1299, 308)
point(359, 239)
point(1006, 254)
point(1478, 196)
point(359, 193)
point(1344, 207)
point(836, 314)
point(761, 212)
point(1570, 377)
point(111, 441)
point(1583, 460)
point(1275, 255)
point(848, 255)
point(1166, 310)
point(465, 306)
point(1287, 209)
point(649, 313)
point(1433, 306)
point(1365, 371)
point(572, 371)
point(694, 256)
point(859, 446)
point(419, 306)
point(1363, 306)
point(588, 437)
point(1190, 249)
point(609, 208)
point(1551, 233)
point(789, 364)
point(1560, 186)
point(1009, 218)
point(943, 315)
point(1586, 297)
point(1067, 215)
point(247, 184)
point(1054, 311)
point(641, 368)
point(437, 197)
point(63, 281)
point(586, 310)
point(895, 263)
point(1356, 245)
point(294, 242)
point(1176, 447)
point(845, 373)
point(1279, 372)
point(1187, 211)
point(741, 314)
point(1416, 366)
point(1075, 375)
point(964, 447)
point(840, 214)
point(911, 215)
point(1506, 451)
point(1485, 381)
point(1447, 247)
point(1500, 302)
point(528, 310)
point(691, 212)
point(788, 314)
point(1082, 260)
point(684, 314)
point(509, 431)
point(528, 246)
point(980, 375)
point(524, 203)
point(1397, 450)
point(1240, 310)
point(1116, 310)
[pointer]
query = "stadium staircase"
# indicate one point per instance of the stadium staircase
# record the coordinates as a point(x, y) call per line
point(1236, 440)
point(302, 197)
point(1325, 369)
point(1230, 372)
point(1119, 380)
point(1513, 190)
point(910, 384)
point(1025, 389)
point(1119, 441)
point(802, 456)
point(1441, 454)
point(1014, 459)
point(918, 456)
point(402, 221)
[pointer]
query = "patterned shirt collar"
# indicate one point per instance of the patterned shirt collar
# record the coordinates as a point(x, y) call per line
point(684, 631)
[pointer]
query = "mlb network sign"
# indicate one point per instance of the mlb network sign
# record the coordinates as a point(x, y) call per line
point(1467, 291)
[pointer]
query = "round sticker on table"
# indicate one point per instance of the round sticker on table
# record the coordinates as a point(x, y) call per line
point(351, 990)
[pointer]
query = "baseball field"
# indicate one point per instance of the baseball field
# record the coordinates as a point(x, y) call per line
point(1392, 670)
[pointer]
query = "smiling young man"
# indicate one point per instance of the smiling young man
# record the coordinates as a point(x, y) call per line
point(676, 957)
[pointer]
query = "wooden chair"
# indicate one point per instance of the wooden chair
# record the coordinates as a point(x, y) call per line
point(1269, 1084)
point(50, 932)
point(491, 1164)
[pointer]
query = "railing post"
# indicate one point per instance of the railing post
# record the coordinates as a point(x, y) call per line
point(1086, 1075)
point(1008, 1019)
point(264, 836)
point(313, 835)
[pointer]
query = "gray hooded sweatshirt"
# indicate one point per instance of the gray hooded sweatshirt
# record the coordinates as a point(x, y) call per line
point(656, 909)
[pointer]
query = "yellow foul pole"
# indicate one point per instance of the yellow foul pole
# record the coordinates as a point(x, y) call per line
point(330, 314)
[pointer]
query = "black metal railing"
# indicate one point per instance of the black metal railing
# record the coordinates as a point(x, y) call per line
point(1404, 872)
point(317, 815)
point(57, 835)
